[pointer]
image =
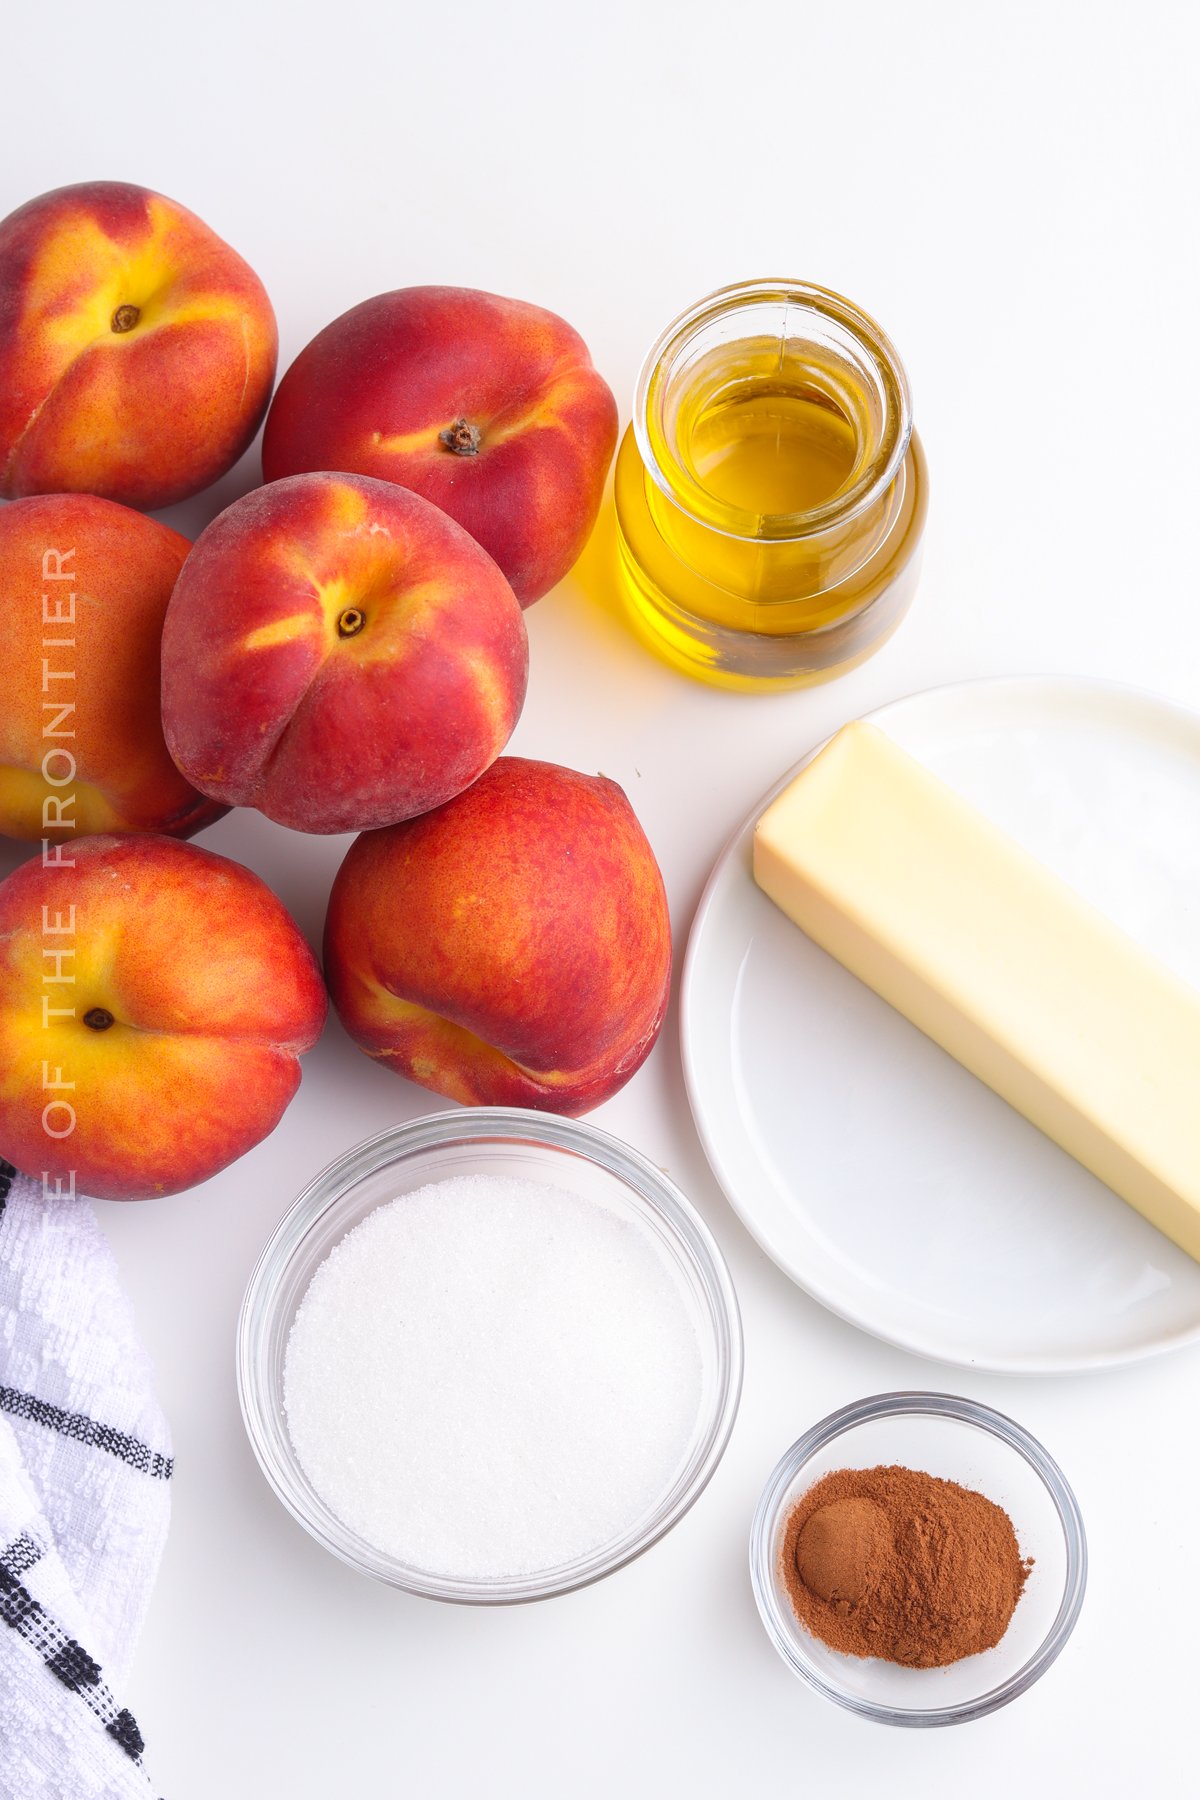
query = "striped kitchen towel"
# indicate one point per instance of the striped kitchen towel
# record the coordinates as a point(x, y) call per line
point(84, 1484)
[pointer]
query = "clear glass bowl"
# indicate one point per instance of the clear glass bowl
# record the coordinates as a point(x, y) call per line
point(961, 1441)
point(521, 1145)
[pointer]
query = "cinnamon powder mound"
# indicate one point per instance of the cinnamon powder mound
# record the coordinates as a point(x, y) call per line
point(893, 1563)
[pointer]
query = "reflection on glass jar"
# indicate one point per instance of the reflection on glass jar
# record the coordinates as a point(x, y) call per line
point(770, 492)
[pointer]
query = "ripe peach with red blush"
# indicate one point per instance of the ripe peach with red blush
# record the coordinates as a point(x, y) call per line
point(137, 350)
point(511, 948)
point(169, 1042)
point(84, 586)
point(490, 408)
point(339, 654)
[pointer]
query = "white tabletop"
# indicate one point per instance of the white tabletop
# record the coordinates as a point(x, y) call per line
point(1011, 191)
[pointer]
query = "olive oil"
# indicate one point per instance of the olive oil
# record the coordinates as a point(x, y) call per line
point(768, 440)
point(770, 494)
point(773, 450)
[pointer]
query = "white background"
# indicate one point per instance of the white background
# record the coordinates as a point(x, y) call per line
point(1011, 190)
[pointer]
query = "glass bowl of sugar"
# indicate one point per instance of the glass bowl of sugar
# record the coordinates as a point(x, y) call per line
point(489, 1356)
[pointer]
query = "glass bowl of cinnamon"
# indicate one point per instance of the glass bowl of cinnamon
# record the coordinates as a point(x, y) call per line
point(918, 1558)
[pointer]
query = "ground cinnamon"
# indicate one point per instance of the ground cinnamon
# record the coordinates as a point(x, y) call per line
point(893, 1563)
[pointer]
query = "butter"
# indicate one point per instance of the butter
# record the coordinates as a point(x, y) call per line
point(998, 961)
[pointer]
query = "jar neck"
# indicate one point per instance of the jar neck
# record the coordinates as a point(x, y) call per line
point(775, 356)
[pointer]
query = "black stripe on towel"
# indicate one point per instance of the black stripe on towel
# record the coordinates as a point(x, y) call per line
point(66, 1660)
point(21, 1555)
point(7, 1176)
point(86, 1431)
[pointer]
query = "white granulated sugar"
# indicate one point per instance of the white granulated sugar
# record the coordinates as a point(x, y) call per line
point(490, 1378)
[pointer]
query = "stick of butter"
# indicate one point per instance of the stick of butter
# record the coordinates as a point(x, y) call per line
point(999, 962)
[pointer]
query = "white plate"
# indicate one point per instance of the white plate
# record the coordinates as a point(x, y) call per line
point(885, 1179)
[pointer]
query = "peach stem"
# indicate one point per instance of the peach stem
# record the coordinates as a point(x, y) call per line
point(463, 439)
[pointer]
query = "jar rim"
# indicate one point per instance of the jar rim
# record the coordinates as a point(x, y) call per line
point(679, 486)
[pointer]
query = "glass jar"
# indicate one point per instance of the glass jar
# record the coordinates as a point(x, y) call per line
point(770, 492)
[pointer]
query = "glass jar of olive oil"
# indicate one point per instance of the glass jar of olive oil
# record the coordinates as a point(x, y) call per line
point(771, 492)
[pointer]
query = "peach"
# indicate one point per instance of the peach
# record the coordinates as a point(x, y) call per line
point(488, 407)
point(137, 350)
point(154, 1003)
point(339, 654)
point(84, 586)
point(512, 947)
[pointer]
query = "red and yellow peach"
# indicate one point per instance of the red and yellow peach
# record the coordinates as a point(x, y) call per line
point(137, 350)
point(490, 408)
point(84, 586)
point(339, 654)
point(154, 1002)
point(511, 948)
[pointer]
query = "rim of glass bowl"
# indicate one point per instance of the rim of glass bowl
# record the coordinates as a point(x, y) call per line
point(928, 1405)
point(700, 1260)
